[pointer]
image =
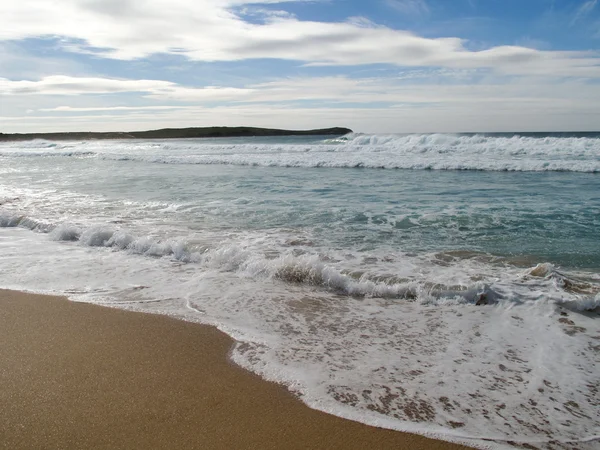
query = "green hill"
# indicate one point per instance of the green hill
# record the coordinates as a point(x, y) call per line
point(176, 133)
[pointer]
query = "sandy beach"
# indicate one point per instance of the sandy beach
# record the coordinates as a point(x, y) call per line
point(82, 376)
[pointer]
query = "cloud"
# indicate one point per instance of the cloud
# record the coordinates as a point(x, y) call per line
point(415, 87)
point(66, 85)
point(69, 109)
point(531, 100)
point(210, 30)
point(584, 10)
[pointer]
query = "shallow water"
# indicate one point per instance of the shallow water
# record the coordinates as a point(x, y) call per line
point(462, 303)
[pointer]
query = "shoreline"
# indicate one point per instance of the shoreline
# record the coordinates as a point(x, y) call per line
point(78, 375)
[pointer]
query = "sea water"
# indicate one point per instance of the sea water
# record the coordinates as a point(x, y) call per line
point(441, 284)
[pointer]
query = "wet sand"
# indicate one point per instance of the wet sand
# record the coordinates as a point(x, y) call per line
point(82, 376)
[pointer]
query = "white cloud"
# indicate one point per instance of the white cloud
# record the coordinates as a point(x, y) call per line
point(70, 109)
point(209, 30)
point(66, 85)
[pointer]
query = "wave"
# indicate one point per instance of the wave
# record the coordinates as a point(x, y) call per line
point(306, 269)
point(36, 143)
point(416, 152)
point(41, 154)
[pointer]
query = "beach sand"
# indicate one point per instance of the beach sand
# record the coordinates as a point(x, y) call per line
point(76, 376)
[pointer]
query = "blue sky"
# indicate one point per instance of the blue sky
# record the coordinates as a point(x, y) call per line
point(377, 66)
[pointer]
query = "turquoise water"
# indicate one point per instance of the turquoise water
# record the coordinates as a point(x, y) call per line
point(545, 216)
point(396, 240)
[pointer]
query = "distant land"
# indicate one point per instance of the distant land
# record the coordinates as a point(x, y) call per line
point(176, 133)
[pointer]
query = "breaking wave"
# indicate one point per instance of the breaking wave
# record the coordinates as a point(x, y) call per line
point(308, 269)
point(417, 152)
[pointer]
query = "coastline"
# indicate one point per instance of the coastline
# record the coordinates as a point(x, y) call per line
point(78, 375)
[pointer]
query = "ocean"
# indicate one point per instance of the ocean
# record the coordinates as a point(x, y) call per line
point(441, 284)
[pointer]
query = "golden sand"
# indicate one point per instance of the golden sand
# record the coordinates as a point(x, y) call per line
point(78, 376)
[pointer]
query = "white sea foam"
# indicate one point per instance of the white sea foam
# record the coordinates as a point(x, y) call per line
point(329, 273)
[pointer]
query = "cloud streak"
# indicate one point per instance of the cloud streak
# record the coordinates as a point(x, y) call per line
point(69, 109)
point(584, 10)
point(437, 118)
point(339, 90)
point(66, 85)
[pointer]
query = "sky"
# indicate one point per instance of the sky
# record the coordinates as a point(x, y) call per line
point(376, 66)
